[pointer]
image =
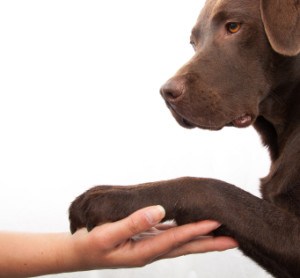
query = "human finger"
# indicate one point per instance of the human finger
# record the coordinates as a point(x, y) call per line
point(165, 226)
point(138, 222)
point(173, 238)
point(202, 245)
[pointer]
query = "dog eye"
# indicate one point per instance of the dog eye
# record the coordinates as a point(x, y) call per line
point(233, 27)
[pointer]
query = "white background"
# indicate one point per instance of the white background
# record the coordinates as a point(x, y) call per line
point(80, 106)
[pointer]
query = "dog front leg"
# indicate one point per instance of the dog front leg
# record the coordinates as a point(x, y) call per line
point(266, 233)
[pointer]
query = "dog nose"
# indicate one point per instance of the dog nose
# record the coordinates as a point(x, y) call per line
point(172, 89)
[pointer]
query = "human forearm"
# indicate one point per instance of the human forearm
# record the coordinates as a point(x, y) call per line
point(29, 254)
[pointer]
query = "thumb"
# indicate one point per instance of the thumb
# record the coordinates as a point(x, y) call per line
point(153, 215)
point(138, 222)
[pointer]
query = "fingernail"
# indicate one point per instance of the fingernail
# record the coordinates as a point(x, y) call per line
point(215, 225)
point(210, 224)
point(155, 214)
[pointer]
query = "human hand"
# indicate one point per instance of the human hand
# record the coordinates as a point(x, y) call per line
point(125, 244)
point(113, 245)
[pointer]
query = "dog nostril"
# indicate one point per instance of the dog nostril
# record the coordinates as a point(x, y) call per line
point(168, 94)
point(171, 90)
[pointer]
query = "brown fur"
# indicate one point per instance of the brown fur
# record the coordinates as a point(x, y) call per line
point(234, 79)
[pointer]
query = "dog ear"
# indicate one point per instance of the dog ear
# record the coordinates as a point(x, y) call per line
point(281, 19)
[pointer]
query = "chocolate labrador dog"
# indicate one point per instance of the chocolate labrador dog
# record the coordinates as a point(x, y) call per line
point(245, 71)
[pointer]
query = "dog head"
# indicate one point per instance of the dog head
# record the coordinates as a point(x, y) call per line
point(239, 47)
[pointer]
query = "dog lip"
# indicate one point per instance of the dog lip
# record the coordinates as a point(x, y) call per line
point(184, 122)
point(180, 119)
point(188, 124)
point(244, 120)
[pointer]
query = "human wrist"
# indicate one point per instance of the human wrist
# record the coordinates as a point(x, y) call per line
point(79, 252)
point(69, 254)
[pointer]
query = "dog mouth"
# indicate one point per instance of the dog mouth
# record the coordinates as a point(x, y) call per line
point(241, 121)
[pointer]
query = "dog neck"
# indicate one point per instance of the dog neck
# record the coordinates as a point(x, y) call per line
point(279, 112)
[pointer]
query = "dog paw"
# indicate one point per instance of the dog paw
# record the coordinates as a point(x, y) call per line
point(99, 205)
